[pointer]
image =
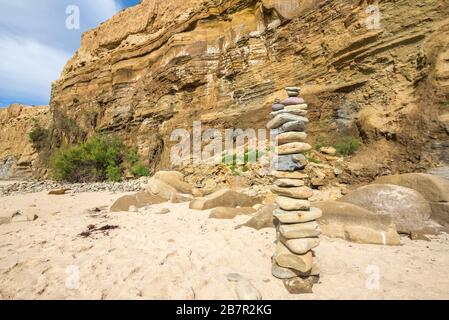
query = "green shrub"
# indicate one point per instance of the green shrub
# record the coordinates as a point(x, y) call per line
point(39, 137)
point(347, 145)
point(140, 170)
point(100, 158)
point(114, 173)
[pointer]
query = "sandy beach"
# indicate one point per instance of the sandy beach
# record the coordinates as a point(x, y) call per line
point(185, 255)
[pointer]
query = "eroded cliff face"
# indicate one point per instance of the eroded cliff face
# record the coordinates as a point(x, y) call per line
point(163, 64)
point(18, 159)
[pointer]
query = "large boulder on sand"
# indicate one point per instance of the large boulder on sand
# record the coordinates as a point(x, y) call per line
point(356, 224)
point(224, 198)
point(440, 213)
point(262, 219)
point(175, 180)
point(166, 184)
point(432, 188)
point(138, 200)
point(407, 207)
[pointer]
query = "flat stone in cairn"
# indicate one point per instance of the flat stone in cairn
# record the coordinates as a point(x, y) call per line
point(290, 204)
point(289, 137)
point(282, 118)
point(291, 217)
point(300, 230)
point(293, 93)
point(302, 113)
point(293, 148)
point(293, 88)
point(293, 192)
point(300, 285)
point(300, 246)
point(277, 106)
point(286, 273)
point(289, 163)
point(285, 258)
point(296, 107)
point(289, 175)
point(290, 101)
point(296, 126)
point(289, 183)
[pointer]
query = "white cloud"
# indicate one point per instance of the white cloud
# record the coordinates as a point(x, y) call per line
point(35, 43)
point(27, 68)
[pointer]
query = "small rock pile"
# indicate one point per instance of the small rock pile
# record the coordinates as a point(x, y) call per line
point(297, 229)
point(33, 186)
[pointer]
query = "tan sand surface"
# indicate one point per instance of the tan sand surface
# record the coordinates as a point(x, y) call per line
point(184, 255)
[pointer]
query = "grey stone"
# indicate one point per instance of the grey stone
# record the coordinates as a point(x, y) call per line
point(298, 126)
point(277, 107)
point(289, 163)
point(234, 277)
point(283, 118)
point(293, 93)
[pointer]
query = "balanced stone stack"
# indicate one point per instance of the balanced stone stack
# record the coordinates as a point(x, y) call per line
point(297, 229)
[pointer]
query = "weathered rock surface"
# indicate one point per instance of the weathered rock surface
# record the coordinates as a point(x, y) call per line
point(262, 219)
point(230, 213)
point(290, 204)
point(138, 200)
point(293, 192)
point(18, 159)
point(285, 258)
point(224, 198)
point(288, 217)
point(353, 223)
point(300, 246)
point(431, 187)
point(440, 213)
point(174, 179)
point(300, 285)
point(300, 230)
point(289, 137)
point(293, 148)
point(408, 209)
point(168, 185)
point(161, 65)
point(288, 183)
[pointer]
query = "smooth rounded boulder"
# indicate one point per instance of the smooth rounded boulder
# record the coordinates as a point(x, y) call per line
point(353, 223)
point(224, 198)
point(174, 179)
point(432, 188)
point(407, 207)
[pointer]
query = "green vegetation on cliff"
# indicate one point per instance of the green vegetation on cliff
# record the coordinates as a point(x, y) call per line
point(100, 158)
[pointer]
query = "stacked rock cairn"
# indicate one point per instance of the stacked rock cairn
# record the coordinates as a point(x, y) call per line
point(297, 229)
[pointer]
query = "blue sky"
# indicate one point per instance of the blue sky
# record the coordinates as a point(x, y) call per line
point(35, 43)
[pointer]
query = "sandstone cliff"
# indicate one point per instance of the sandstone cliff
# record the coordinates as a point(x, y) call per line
point(163, 64)
point(17, 156)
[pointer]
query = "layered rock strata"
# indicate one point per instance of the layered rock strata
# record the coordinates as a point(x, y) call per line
point(163, 64)
point(18, 158)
